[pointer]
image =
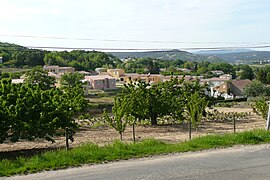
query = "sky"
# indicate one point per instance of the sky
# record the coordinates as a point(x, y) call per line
point(135, 24)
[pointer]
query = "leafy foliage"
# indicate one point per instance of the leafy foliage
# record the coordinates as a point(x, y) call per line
point(18, 56)
point(225, 67)
point(166, 55)
point(245, 57)
point(29, 112)
point(40, 77)
point(256, 88)
point(263, 75)
point(29, 58)
point(119, 121)
point(145, 101)
point(246, 72)
point(261, 107)
point(195, 107)
point(222, 116)
point(71, 80)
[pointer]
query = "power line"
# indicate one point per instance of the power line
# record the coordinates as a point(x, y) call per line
point(14, 48)
point(130, 40)
point(148, 49)
point(31, 48)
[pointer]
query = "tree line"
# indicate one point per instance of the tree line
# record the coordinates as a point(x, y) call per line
point(184, 101)
point(22, 57)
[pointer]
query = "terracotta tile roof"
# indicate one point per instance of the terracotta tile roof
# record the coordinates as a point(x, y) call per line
point(241, 84)
point(66, 68)
point(51, 67)
point(215, 79)
point(98, 77)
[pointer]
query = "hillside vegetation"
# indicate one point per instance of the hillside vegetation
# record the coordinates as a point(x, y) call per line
point(18, 56)
point(166, 55)
point(241, 57)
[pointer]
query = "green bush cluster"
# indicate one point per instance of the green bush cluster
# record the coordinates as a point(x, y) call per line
point(28, 111)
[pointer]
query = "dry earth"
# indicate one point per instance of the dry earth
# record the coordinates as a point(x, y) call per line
point(169, 133)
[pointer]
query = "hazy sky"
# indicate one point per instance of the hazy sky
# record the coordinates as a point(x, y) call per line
point(174, 23)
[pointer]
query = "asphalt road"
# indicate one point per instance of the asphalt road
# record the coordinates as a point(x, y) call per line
point(242, 162)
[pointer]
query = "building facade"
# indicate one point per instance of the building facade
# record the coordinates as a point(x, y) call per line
point(101, 82)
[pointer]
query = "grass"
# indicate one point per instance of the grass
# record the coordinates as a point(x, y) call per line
point(14, 70)
point(91, 153)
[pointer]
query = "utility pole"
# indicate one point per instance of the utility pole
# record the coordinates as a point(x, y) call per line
point(268, 118)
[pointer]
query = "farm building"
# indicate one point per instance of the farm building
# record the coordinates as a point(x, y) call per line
point(101, 82)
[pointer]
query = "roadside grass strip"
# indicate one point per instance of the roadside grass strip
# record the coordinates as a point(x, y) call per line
point(92, 154)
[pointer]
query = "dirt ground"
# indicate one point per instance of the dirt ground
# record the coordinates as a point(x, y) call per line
point(169, 133)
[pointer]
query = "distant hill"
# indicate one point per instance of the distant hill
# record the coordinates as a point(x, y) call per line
point(243, 57)
point(166, 55)
point(246, 57)
point(18, 56)
point(216, 52)
point(9, 47)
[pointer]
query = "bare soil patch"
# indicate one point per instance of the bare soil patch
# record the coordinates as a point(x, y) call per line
point(168, 133)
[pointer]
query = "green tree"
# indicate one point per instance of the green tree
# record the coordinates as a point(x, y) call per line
point(145, 101)
point(54, 58)
point(256, 88)
point(201, 70)
point(246, 72)
point(4, 121)
point(177, 63)
point(188, 65)
point(171, 68)
point(263, 75)
point(261, 107)
point(38, 76)
point(225, 67)
point(30, 58)
point(30, 112)
point(195, 107)
point(152, 67)
point(119, 120)
point(153, 101)
point(71, 80)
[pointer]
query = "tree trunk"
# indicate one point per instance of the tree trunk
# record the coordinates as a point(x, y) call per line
point(190, 126)
point(121, 136)
point(153, 120)
point(133, 132)
point(268, 119)
point(67, 145)
point(234, 128)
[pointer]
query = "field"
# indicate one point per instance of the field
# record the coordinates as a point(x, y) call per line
point(13, 70)
point(170, 133)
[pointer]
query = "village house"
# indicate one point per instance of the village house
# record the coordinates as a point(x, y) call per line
point(101, 70)
point(217, 72)
point(17, 81)
point(57, 78)
point(183, 70)
point(85, 73)
point(232, 89)
point(101, 82)
point(149, 78)
point(213, 82)
point(59, 70)
point(117, 73)
point(186, 77)
point(226, 76)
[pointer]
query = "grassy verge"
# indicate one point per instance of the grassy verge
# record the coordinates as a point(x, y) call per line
point(91, 153)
